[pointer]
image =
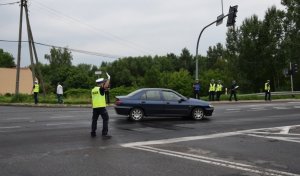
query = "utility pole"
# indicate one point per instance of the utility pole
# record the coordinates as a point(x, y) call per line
point(32, 47)
point(32, 50)
point(19, 50)
point(30, 43)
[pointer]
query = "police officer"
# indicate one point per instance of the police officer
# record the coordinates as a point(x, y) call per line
point(196, 87)
point(267, 91)
point(233, 90)
point(219, 89)
point(35, 90)
point(99, 104)
point(212, 90)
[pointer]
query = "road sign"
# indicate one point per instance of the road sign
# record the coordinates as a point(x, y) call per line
point(220, 19)
point(98, 72)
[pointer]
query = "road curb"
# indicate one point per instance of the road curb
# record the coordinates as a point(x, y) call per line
point(112, 105)
point(254, 101)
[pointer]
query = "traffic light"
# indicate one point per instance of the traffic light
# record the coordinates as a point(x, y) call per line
point(294, 68)
point(232, 15)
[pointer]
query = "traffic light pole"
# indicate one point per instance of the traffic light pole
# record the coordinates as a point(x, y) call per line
point(197, 67)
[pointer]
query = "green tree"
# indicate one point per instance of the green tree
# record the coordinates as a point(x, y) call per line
point(273, 57)
point(214, 54)
point(78, 77)
point(186, 60)
point(6, 59)
point(59, 58)
point(291, 41)
point(152, 77)
point(59, 68)
point(180, 81)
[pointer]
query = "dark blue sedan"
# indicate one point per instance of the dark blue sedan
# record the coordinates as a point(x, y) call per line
point(161, 102)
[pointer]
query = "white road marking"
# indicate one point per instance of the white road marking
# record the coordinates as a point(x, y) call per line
point(294, 102)
point(217, 162)
point(67, 123)
point(281, 107)
point(181, 139)
point(257, 109)
point(287, 139)
point(284, 130)
point(210, 136)
point(18, 118)
point(233, 109)
point(268, 133)
point(297, 107)
point(57, 124)
point(60, 117)
point(10, 127)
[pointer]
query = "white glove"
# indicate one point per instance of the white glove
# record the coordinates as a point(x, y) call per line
point(108, 76)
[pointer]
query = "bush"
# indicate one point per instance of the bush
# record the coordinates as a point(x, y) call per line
point(77, 93)
point(20, 98)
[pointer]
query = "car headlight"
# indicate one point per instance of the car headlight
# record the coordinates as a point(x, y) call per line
point(211, 106)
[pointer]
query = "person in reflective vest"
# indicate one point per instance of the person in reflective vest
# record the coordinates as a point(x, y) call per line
point(35, 90)
point(99, 106)
point(212, 90)
point(267, 91)
point(219, 89)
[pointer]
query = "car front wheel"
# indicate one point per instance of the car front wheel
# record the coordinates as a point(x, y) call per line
point(136, 114)
point(197, 114)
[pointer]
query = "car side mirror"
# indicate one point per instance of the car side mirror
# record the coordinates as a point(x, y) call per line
point(181, 100)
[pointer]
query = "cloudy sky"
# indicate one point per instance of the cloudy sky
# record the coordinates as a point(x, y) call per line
point(119, 28)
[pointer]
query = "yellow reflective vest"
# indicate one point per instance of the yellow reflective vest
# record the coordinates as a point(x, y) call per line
point(97, 98)
point(36, 88)
point(212, 87)
point(219, 88)
point(267, 87)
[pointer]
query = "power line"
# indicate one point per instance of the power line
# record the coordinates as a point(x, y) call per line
point(112, 36)
point(71, 49)
point(9, 3)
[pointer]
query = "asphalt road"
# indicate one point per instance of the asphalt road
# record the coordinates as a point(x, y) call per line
point(239, 139)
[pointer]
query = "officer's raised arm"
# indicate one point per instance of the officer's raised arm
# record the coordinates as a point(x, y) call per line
point(106, 85)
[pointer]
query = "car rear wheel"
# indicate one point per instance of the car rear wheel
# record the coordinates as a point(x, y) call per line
point(197, 114)
point(136, 114)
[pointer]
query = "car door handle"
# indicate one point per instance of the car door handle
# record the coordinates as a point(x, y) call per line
point(168, 103)
point(143, 102)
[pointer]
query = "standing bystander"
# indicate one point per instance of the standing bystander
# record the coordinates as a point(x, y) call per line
point(59, 93)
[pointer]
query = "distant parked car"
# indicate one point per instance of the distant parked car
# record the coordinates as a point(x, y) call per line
point(161, 102)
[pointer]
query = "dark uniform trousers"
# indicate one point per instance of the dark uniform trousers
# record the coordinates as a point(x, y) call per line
point(104, 115)
point(267, 95)
point(35, 96)
point(233, 92)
